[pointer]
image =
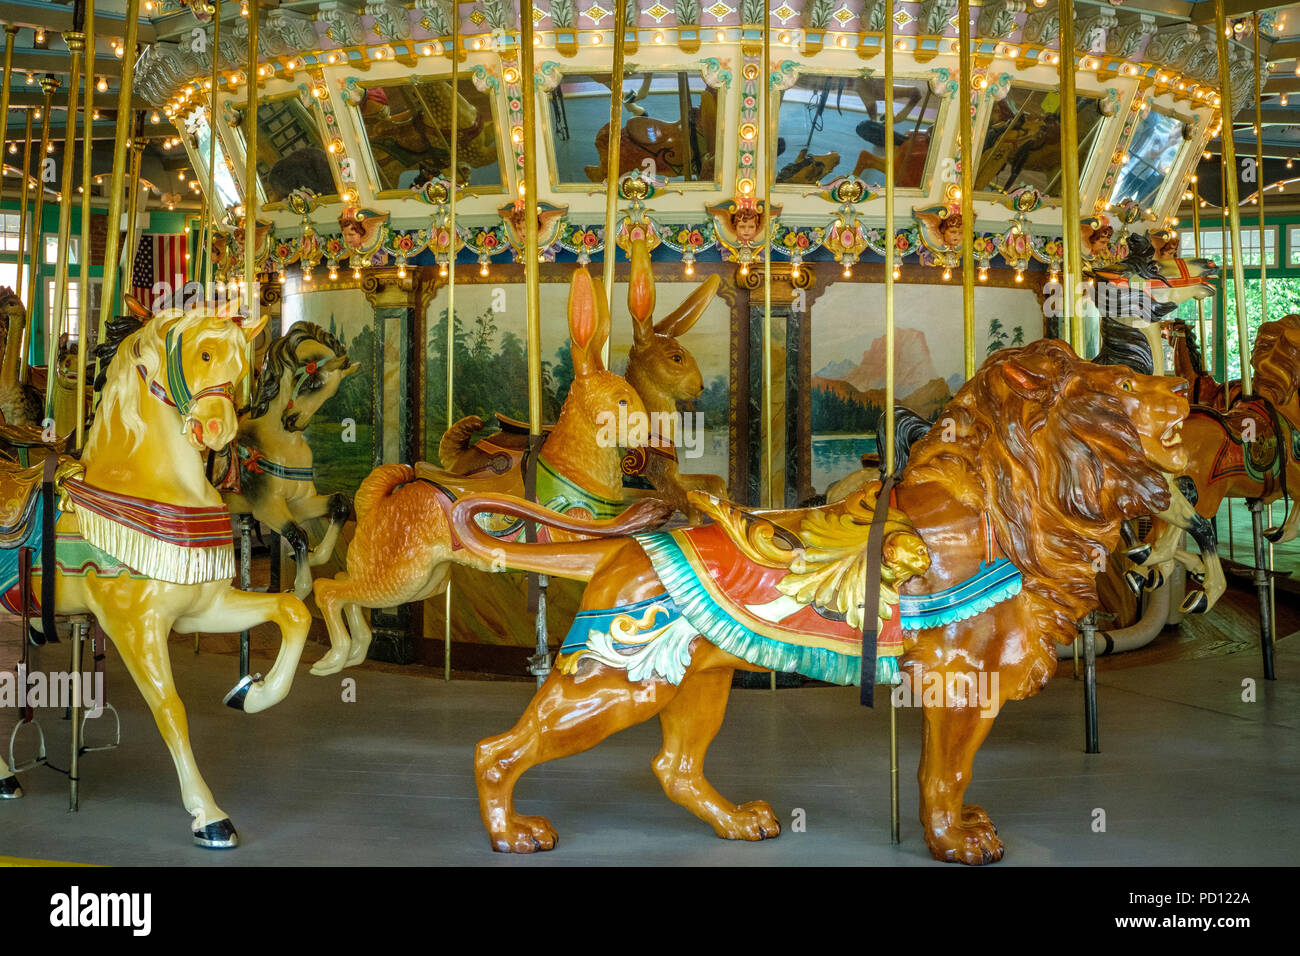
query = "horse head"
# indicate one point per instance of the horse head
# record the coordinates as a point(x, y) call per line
point(659, 367)
point(1166, 278)
point(302, 371)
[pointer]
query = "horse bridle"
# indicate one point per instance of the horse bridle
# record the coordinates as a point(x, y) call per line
point(177, 394)
point(300, 378)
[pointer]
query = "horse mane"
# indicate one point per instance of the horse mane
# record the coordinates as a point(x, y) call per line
point(1192, 345)
point(1272, 335)
point(1056, 463)
point(1141, 258)
point(283, 354)
point(909, 428)
point(1124, 345)
point(119, 328)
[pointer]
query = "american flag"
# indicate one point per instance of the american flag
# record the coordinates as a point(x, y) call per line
point(159, 259)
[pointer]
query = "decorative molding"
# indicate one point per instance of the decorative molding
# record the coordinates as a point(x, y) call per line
point(1170, 46)
point(1090, 30)
point(1042, 27)
point(391, 20)
point(1124, 39)
point(936, 16)
point(343, 21)
point(998, 18)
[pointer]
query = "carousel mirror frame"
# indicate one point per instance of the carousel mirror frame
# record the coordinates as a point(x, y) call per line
point(313, 109)
point(368, 158)
point(199, 160)
point(938, 129)
point(697, 67)
point(1170, 181)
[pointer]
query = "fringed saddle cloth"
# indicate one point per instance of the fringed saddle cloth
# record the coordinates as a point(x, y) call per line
point(779, 600)
point(117, 534)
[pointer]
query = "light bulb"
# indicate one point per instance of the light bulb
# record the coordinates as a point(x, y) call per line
point(102, 85)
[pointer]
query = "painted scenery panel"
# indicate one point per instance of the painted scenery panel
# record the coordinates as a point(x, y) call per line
point(1023, 142)
point(290, 152)
point(407, 124)
point(848, 359)
point(832, 126)
point(654, 105)
point(340, 434)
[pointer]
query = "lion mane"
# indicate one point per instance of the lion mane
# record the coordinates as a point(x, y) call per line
point(1039, 439)
point(1276, 356)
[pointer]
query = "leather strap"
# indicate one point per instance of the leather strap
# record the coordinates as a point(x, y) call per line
point(871, 595)
point(49, 570)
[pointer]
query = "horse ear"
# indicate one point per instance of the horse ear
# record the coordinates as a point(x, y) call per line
point(137, 309)
point(583, 321)
point(641, 292)
point(679, 321)
point(252, 326)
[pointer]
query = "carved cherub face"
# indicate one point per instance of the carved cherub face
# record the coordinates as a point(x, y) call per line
point(747, 224)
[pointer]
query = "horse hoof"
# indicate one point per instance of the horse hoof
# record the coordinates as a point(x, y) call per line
point(10, 789)
point(235, 698)
point(1273, 535)
point(1139, 554)
point(1197, 602)
point(219, 835)
point(1156, 580)
point(1195, 578)
point(1135, 582)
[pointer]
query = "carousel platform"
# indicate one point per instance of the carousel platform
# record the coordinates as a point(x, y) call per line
point(1189, 774)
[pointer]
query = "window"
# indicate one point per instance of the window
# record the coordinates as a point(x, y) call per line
point(52, 250)
point(1293, 245)
point(9, 223)
point(1212, 246)
point(9, 277)
point(71, 307)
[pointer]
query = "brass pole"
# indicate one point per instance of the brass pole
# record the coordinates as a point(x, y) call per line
point(76, 42)
point(250, 187)
point(11, 32)
point(1231, 199)
point(1072, 271)
point(765, 93)
point(1259, 181)
point(887, 41)
point(108, 294)
point(531, 275)
point(967, 192)
point(613, 150)
point(451, 285)
point(48, 84)
point(132, 201)
point(206, 230)
point(83, 274)
point(1196, 245)
point(688, 131)
point(26, 297)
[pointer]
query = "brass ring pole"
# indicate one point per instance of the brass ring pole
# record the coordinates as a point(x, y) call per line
point(112, 248)
point(22, 244)
point(11, 32)
point(967, 193)
point(48, 84)
point(206, 230)
point(133, 198)
point(76, 42)
point(83, 274)
point(531, 274)
point(1231, 199)
point(765, 92)
point(1196, 245)
point(1072, 271)
point(250, 181)
point(1259, 179)
point(613, 152)
point(451, 284)
point(887, 41)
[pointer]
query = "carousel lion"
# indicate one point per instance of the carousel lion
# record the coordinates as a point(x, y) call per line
point(988, 563)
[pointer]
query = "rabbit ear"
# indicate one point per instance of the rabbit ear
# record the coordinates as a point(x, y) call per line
point(641, 291)
point(137, 309)
point(679, 321)
point(588, 322)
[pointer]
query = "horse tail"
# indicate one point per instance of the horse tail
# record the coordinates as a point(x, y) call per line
point(456, 439)
point(379, 484)
point(576, 560)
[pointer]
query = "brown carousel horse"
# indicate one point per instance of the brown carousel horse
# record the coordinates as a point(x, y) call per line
point(665, 376)
point(1189, 364)
point(663, 144)
point(911, 152)
point(143, 541)
point(267, 472)
point(403, 547)
point(1051, 454)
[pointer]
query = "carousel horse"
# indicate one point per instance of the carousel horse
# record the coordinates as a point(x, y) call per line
point(808, 169)
point(985, 564)
point(267, 471)
point(911, 150)
point(1252, 450)
point(1190, 365)
point(402, 549)
point(143, 542)
point(408, 137)
point(663, 144)
point(665, 376)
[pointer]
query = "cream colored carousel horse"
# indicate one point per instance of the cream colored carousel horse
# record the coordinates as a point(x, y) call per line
point(144, 541)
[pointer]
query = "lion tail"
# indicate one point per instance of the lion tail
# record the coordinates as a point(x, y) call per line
point(379, 484)
point(456, 439)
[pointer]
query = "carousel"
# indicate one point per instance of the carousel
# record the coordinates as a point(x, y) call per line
point(415, 365)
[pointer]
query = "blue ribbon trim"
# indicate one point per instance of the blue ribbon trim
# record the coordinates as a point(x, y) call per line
point(990, 585)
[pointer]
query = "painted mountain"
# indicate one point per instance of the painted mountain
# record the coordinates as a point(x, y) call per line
point(848, 398)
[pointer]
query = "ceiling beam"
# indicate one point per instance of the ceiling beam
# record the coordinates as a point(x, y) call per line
point(1203, 12)
point(1271, 115)
point(1283, 84)
point(1270, 152)
point(58, 19)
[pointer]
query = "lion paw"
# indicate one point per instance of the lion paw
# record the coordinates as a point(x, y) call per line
point(974, 841)
point(751, 821)
point(525, 835)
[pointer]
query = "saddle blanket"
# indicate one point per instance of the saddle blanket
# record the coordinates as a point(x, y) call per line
point(711, 589)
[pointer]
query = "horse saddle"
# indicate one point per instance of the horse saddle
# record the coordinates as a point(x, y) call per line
point(20, 490)
point(30, 436)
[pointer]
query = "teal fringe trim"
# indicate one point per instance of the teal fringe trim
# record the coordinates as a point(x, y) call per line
point(713, 621)
point(887, 671)
point(919, 622)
